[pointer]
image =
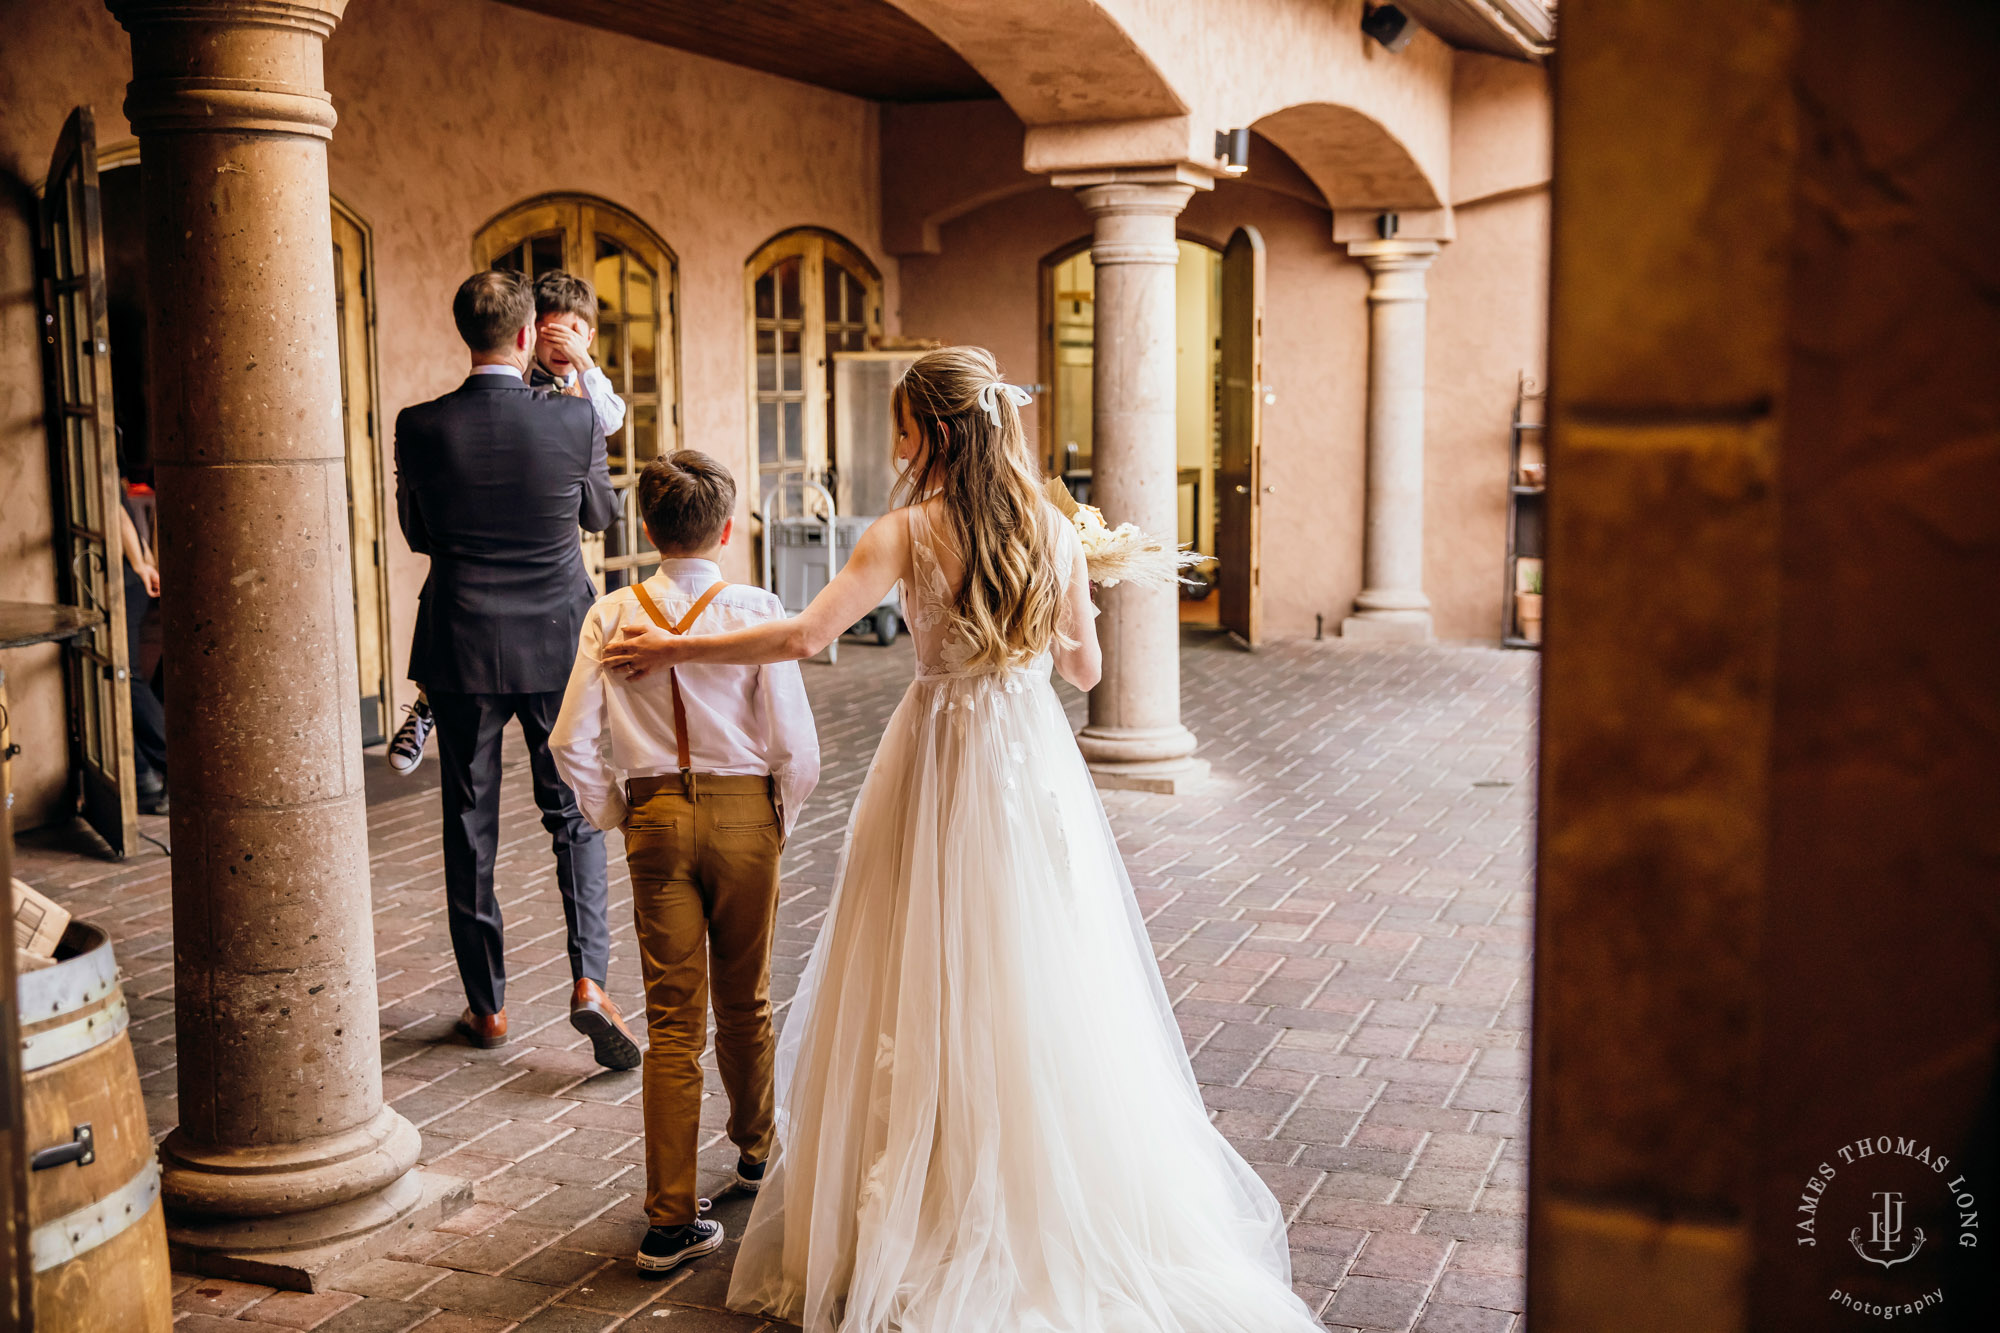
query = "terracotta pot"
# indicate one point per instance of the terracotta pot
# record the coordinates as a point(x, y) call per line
point(1528, 613)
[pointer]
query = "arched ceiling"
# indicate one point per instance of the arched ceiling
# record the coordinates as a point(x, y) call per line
point(1076, 74)
point(1351, 157)
point(1054, 61)
point(868, 48)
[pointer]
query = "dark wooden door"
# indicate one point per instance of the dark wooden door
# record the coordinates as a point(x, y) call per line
point(76, 353)
point(1239, 481)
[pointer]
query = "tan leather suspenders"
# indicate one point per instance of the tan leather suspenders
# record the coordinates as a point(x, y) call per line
point(673, 682)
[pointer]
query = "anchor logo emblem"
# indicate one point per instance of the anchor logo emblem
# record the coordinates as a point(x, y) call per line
point(1885, 1233)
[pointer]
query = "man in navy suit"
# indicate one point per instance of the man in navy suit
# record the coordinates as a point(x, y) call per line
point(492, 482)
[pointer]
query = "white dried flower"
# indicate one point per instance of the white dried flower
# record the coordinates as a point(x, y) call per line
point(1124, 554)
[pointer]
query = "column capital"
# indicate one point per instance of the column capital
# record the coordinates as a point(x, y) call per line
point(1178, 174)
point(1382, 256)
point(229, 66)
point(1133, 212)
point(1398, 268)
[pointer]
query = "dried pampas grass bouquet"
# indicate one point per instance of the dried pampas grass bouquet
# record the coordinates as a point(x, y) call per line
point(1124, 554)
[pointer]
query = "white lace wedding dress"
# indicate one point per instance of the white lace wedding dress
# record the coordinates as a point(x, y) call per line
point(987, 1121)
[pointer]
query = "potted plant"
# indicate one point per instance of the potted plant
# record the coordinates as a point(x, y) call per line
point(1528, 601)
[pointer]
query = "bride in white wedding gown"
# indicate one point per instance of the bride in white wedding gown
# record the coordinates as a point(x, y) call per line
point(987, 1121)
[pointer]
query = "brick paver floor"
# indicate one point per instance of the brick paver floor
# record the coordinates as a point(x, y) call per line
point(1342, 918)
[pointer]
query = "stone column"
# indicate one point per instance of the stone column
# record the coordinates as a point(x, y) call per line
point(1135, 738)
point(1392, 604)
point(284, 1142)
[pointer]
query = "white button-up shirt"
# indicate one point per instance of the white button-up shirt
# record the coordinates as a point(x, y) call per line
point(741, 720)
point(604, 400)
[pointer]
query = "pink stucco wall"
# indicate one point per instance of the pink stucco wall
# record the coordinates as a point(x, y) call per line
point(450, 112)
point(1488, 323)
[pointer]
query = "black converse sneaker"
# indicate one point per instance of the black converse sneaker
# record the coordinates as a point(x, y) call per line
point(406, 748)
point(750, 1175)
point(666, 1248)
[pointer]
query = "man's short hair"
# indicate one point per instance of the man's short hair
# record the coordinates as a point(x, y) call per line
point(560, 293)
point(492, 307)
point(686, 497)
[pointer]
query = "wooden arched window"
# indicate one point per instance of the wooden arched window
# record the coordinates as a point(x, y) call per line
point(635, 275)
point(810, 294)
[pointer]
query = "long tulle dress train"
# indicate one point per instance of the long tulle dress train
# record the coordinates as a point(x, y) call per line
point(987, 1119)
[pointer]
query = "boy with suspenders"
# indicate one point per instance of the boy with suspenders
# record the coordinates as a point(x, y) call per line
point(705, 770)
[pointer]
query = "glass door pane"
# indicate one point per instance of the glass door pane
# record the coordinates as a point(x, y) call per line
point(629, 306)
point(779, 305)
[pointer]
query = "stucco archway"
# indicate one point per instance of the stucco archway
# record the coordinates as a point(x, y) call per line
point(1353, 158)
point(1053, 61)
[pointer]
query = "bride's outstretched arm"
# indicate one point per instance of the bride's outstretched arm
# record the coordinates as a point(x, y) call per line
point(858, 589)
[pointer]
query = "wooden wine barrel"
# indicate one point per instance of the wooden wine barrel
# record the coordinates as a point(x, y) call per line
point(97, 1236)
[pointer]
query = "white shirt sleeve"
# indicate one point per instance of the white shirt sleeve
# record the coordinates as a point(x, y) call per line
point(604, 401)
point(579, 742)
point(791, 740)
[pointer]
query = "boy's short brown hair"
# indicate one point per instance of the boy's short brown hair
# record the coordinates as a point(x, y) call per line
point(491, 307)
point(560, 293)
point(686, 497)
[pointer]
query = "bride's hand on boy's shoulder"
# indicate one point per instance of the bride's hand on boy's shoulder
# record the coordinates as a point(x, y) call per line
point(633, 651)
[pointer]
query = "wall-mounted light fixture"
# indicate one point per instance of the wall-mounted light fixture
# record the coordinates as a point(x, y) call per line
point(1232, 148)
point(1386, 225)
point(1389, 26)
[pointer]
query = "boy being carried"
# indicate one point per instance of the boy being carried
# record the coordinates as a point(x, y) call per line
point(705, 768)
point(565, 331)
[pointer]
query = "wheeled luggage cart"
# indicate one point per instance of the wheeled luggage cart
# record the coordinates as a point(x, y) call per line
point(802, 553)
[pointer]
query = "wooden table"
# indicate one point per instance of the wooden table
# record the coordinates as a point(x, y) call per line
point(23, 624)
point(26, 623)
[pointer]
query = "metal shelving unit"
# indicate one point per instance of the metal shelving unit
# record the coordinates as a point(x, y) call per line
point(1526, 511)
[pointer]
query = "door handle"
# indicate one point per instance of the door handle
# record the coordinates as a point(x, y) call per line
point(1243, 490)
point(81, 1149)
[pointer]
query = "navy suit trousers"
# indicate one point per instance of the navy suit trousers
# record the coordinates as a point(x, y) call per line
point(469, 728)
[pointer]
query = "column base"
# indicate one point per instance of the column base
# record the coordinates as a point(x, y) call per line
point(306, 1176)
point(1155, 759)
point(1165, 777)
point(301, 1251)
point(1389, 626)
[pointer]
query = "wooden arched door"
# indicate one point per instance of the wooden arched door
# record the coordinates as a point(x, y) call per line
point(810, 294)
point(1240, 474)
point(83, 443)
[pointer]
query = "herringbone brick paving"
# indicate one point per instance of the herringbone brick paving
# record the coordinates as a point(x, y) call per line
point(1342, 917)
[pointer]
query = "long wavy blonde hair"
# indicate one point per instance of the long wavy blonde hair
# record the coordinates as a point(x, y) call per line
point(1008, 603)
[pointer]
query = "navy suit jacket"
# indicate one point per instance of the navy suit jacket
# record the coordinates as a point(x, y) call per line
point(492, 482)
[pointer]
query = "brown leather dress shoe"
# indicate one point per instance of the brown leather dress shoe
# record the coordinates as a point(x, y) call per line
point(484, 1030)
point(592, 1013)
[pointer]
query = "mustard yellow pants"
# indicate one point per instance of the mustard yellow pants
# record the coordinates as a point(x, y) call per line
point(705, 902)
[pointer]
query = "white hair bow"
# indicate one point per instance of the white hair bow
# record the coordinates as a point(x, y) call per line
point(989, 398)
